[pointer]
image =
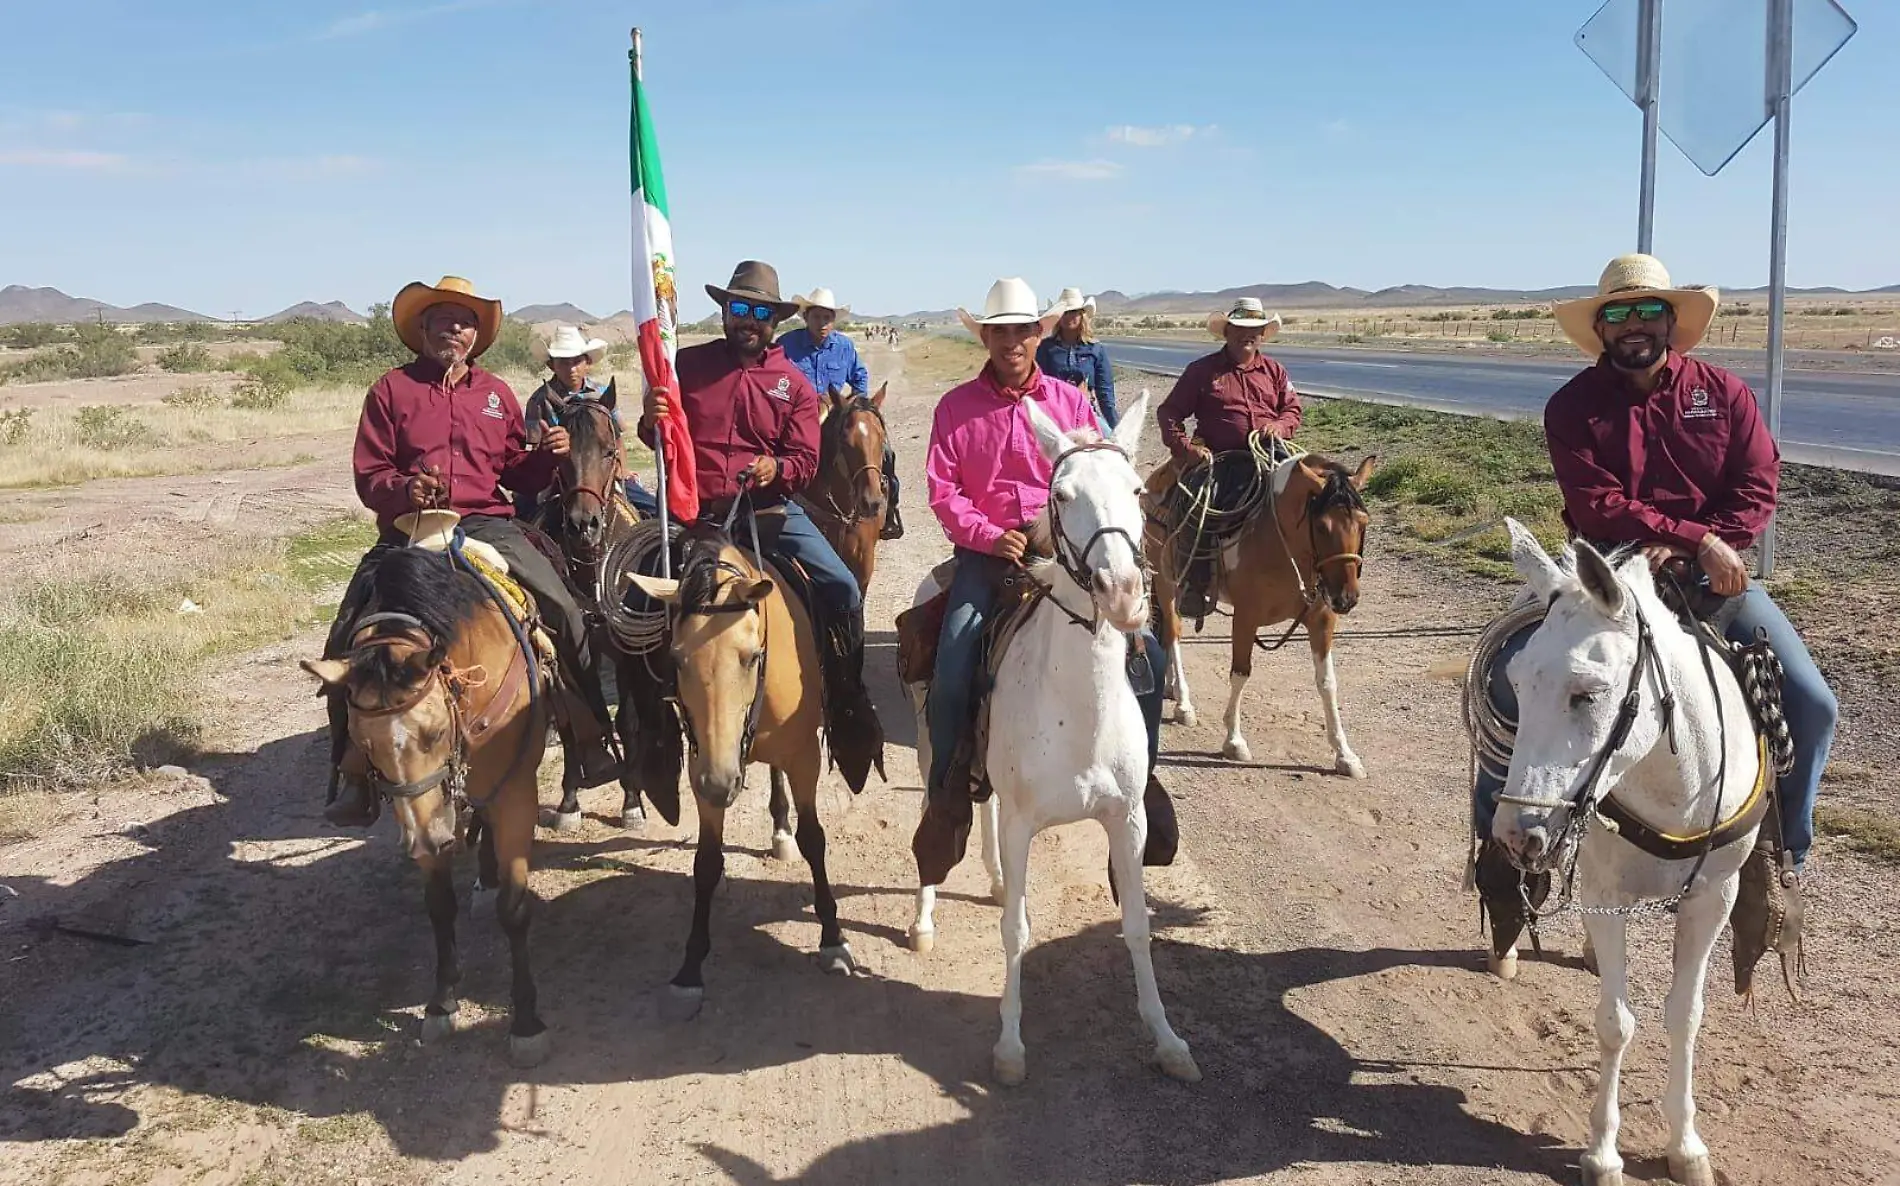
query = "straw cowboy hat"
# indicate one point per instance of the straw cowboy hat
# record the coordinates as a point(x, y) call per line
point(1069, 299)
point(417, 298)
point(1633, 278)
point(1246, 313)
point(568, 343)
point(433, 530)
point(820, 298)
point(756, 282)
point(1010, 302)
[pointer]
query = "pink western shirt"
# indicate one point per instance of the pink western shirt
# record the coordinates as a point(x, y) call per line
point(986, 472)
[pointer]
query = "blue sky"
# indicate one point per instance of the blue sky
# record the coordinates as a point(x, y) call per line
point(228, 156)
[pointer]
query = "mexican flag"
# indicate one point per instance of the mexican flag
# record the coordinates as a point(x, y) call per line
point(655, 300)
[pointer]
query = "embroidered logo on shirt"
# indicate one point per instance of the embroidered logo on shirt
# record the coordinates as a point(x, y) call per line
point(494, 406)
point(1699, 408)
point(782, 389)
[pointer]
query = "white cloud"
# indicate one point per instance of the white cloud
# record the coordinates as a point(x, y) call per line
point(1338, 129)
point(377, 18)
point(61, 158)
point(1071, 170)
point(1136, 136)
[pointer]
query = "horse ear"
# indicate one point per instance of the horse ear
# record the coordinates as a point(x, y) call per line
point(658, 588)
point(1052, 440)
point(1599, 581)
point(1364, 473)
point(610, 398)
point(1127, 432)
point(877, 401)
point(329, 672)
point(757, 591)
point(1533, 563)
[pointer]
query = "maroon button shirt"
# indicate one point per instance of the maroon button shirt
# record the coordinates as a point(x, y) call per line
point(737, 413)
point(1691, 458)
point(472, 433)
point(1227, 403)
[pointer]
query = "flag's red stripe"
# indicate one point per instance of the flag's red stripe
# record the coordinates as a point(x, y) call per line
point(682, 476)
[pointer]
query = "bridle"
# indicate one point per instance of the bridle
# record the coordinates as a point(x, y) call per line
point(842, 416)
point(1073, 560)
point(1335, 491)
point(587, 549)
point(711, 607)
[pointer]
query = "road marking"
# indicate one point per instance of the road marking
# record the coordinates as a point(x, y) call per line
point(1339, 362)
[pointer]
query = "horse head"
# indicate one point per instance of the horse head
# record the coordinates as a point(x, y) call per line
point(851, 453)
point(717, 611)
point(588, 474)
point(1578, 684)
point(1094, 517)
point(1327, 498)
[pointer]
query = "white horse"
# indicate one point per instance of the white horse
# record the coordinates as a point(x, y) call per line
point(1066, 740)
point(1593, 720)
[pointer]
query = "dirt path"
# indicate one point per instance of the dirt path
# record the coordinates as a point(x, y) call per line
point(1314, 947)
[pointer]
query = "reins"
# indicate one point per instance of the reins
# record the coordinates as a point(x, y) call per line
point(711, 607)
point(1074, 561)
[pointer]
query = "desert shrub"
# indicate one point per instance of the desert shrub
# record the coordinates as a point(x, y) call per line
point(186, 357)
point(15, 423)
point(104, 426)
point(266, 392)
point(28, 334)
point(197, 397)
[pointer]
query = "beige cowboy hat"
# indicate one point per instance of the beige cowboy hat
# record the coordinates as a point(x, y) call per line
point(821, 298)
point(568, 342)
point(1247, 313)
point(1070, 299)
point(1010, 302)
point(755, 282)
point(433, 530)
point(417, 298)
point(1631, 278)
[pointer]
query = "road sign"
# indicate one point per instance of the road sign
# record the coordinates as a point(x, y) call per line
point(1714, 59)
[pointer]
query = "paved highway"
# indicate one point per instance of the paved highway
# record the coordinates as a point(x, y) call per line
point(1846, 419)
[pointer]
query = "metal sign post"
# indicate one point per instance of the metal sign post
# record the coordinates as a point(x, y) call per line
point(1779, 90)
point(1649, 98)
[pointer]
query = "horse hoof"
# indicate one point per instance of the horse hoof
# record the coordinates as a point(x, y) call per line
point(634, 819)
point(1692, 1171)
point(922, 941)
point(682, 1002)
point(1504, 967)
point(784, 848)
point(998, 892)
point(530, 1051)
point(1185, 715)
point(566, 821)
point(1602, 1177)
point(1010, 1069)
point(1236, 751)
point(1176, 1063)
point(837, 961)
point(437, 1026)
point(1350, 766)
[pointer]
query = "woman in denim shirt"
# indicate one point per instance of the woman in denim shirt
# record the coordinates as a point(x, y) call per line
point(1073, 355)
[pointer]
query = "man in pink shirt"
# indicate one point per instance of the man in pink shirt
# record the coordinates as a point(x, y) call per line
point(988, 479)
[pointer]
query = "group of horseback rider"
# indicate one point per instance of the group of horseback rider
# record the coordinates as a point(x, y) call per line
point(1652, 449)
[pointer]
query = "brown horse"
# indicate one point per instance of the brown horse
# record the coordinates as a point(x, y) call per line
point(585, 514)
point(745, 654)
point(847, 498)
point(1297, 561)
point(443, 703)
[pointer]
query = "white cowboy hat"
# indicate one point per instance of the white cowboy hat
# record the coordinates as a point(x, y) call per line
point(820, 298)
point(1068, 299)
point(1247, 313)
point(1010, 302)
point(1632, 278)
point(434, 529)
point(568, 343)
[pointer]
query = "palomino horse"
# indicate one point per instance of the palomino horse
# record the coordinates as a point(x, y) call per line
point(442, 702)
point(745, 655)
point(1616, 699)
point(585, 514)
point(1297, 561)
point(1066, 740)
point(847, 498)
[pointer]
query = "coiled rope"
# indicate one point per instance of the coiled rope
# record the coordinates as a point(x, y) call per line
point(634, 632)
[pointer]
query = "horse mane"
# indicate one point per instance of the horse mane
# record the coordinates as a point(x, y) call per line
point(700, 570)
point(428, 587)
point(1336, 489)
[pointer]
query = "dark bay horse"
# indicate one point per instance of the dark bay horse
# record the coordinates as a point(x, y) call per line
point(442, 701)
point(847, 498)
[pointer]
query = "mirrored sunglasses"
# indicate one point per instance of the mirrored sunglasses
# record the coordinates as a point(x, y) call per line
point(749, 309)
point(1644, 311)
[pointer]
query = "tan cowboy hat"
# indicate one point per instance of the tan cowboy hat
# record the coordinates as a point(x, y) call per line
point(567, 342)
point(821, 298)
point(1010, 302)
point(752, 281)
point(1070, 299)
point(1247, 313)
point(417, 298)
point(433, 530)
point(1632, 278)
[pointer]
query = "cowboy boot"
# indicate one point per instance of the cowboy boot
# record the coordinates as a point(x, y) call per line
point(1194, 599)
point(587, 758)
point(893, 521)
point(349, 803)
point(857, 736)
point(1502, 889)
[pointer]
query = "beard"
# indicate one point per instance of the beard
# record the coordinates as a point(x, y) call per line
point(1636, 352)
point(447, 354)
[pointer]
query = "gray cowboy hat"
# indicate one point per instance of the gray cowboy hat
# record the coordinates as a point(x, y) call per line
point(753, 281)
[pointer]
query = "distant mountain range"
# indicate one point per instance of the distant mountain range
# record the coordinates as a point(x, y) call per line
point(311, 310)
point(571, 314)
point(20, 303)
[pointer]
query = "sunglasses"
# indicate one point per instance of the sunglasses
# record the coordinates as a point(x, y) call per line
point(748, 309)
point(1644, 311)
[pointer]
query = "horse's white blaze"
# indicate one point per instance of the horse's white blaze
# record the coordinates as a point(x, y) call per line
point(1235, 747)
point(1569, 682)
point(1326, 679)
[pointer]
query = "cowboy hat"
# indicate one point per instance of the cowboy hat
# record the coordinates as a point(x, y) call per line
point(1010, 302)
point(433, 530)
point(567, 342)
point(820, 298)
point(417, 298)
point(1634, 278)
point(1069, 299)
point(756, 282)
point(1246, 313)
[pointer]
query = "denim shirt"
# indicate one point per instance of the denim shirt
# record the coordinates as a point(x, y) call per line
point(832, 365)
point(1086, 365)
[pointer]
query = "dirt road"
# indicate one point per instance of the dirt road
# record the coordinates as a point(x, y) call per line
point(1313, 947)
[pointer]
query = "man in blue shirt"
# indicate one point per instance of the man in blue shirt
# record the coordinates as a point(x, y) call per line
point(831, 362)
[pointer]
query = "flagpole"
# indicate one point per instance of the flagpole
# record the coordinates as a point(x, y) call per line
point(659, 446)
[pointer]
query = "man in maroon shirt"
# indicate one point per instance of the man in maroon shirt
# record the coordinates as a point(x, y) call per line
point(1230, 395)
point(443, 432)
point(753, 417)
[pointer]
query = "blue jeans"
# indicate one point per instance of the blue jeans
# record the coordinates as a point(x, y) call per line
point(1806, 699)
point(960, 656)
point(800, 539)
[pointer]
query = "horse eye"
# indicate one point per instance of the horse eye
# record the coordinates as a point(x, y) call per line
point(1579, 699)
